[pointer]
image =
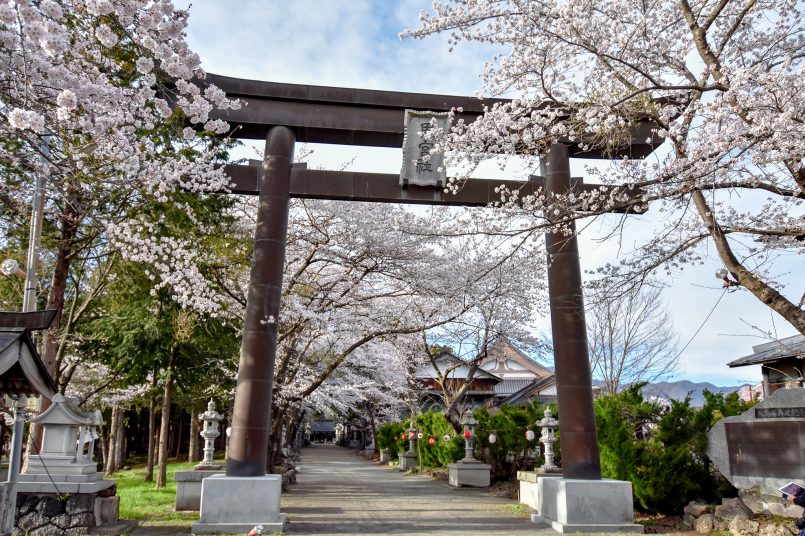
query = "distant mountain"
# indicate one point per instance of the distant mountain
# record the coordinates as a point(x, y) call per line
point(680, 389)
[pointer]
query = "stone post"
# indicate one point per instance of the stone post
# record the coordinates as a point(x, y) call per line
point(209, 431)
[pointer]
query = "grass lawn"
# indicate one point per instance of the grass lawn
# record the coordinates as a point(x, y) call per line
point(152, 507)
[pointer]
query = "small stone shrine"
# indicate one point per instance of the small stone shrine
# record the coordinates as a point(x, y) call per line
point(65, 468)
point(763, 449)
point(188, 483)
point(469, 471)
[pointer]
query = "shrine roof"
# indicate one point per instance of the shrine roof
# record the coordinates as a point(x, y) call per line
point(21, 370)
point(790, 347)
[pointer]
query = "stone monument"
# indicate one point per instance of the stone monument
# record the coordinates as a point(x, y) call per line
point(469, 471)
point(763, 449)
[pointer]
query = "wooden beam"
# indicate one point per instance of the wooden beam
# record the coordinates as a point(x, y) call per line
point(349, 116)
point(385, 187)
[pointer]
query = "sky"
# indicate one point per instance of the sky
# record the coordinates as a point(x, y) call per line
point(354, 43)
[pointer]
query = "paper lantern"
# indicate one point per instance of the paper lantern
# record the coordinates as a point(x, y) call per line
point(467, 434)
point(492, 438)
point(431, 441)
point(395, 438)
point(446, 437)
point(410, 435)
point(529, 435)
point(420, 435)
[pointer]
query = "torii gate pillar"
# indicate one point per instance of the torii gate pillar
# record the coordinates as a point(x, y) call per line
point(579, 501)
point(246, 496)
point(580, 456)
point(252, 413)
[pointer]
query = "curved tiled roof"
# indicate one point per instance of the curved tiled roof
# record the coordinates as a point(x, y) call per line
point(773, 351)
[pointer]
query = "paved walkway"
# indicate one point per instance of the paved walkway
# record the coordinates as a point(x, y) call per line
point(340, 493)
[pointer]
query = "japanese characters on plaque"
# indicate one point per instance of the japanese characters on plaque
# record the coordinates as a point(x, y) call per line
point(419, 166)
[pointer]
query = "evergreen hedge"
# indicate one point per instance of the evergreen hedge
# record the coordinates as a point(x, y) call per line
point(660, 450)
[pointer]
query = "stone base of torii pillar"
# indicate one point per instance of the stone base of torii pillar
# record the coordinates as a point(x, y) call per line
point(235, 505)
point(570, 506)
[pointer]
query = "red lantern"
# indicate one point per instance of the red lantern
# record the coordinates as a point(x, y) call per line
point(410, 435)
point(467, 434)
point(431, 441)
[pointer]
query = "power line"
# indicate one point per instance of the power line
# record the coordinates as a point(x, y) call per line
point(703, 323)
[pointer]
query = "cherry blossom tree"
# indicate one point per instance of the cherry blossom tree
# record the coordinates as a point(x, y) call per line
point(719, 80)
point(104, 99)
point(359, 279)
point(509, 296)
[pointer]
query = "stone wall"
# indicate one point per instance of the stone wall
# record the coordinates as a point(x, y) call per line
point(43, 514)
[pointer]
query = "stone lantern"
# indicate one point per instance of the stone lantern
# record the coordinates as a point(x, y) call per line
point(68, 442)
point(209, 431)
point(411, 439)
point(548, 438)
point(408, 459)
point(469, 471)
point(469, 425)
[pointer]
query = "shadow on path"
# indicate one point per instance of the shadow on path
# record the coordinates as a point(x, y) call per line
point(339, 492)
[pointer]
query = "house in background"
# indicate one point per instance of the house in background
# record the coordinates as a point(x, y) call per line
point(781, 363)
point(505, 372)
point(521, 375)
point(481, 388)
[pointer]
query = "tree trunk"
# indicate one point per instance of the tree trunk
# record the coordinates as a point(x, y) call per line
point(178, 423)
point(372, 421)
point(162, 464)
point(274, 453)
point(747, 278)
point(152, 432)
point(104, 445)
point(192, 450)
point(120, 440)
point(58, 285)
point(111, 450)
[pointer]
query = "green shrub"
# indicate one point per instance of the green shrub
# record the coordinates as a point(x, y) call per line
point(511, 451)
point(661, 454)
point(387, 436)
point(433, 424)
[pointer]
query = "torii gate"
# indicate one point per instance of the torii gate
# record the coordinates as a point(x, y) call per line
point(286, 113)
